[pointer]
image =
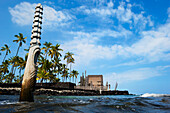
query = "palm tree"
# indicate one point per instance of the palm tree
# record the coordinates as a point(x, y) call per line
point(15, 63)
point(22, 64)
point(41, 74)
point(70, 59)
point(46, 48)
point(27, 50)
point(57, 66)
point(55, 51)
point(71, 75)
point(55, 54)
point(4, 68)
point(74, 74)
point(59, 71)
point(20, 39)
point(64, 72)
point(15, 60)
point(1, 77)
point(5, 48)
point(45, 69)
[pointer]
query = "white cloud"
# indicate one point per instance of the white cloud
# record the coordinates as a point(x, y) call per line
point(154, 44)
point(100, 12)
point(56, 18)
point(152, 47)
point(85, 49)
point(110, 4)
point(163, 67)
point(131, 63)
point(131, 75)
point(23, 13)
point(84, 46)
point(120, 32)
point(123, 13)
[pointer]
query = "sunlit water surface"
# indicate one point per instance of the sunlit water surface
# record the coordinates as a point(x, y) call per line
point(87, 104)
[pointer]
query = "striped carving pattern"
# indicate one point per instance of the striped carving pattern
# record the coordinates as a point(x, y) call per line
point(36, 27)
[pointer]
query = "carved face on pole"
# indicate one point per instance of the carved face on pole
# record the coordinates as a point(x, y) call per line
point(29, 79)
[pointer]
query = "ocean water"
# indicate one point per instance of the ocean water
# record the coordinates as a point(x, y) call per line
point(147, 103)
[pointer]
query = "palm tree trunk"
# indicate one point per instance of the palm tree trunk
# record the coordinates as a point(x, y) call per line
point(11, 78)
point(12, 69)
point(42, 80)
point(70, 72)
point(75, 80)
point(17, 50)
point(70, 68)
point(15, 70)
point(46, 54)
point(20, 72)
point(5, 56)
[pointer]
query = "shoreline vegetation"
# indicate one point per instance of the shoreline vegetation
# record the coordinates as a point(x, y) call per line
point(51, 66)
point(56, 89)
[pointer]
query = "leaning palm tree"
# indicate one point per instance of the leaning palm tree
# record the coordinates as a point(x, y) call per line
point(20, 40)
point(5, 48)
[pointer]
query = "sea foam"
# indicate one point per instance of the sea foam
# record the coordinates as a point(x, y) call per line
point(155, 95)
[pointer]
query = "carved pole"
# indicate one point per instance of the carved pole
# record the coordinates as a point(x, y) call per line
point(29, 78)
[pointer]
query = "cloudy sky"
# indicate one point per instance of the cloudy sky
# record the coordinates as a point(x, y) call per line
point(127, 41)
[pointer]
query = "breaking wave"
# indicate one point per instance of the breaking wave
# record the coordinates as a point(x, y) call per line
point(155, 95)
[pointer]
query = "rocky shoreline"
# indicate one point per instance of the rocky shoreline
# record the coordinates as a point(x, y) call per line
point(51, 89)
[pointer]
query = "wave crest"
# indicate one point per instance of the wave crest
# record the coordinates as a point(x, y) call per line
point(155, 95)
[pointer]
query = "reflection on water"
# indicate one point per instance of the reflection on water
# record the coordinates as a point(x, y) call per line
point(85, 104)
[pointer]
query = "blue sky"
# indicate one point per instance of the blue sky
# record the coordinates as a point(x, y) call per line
point(127, 41)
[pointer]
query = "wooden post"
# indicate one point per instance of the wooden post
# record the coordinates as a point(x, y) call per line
point(29, 78)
